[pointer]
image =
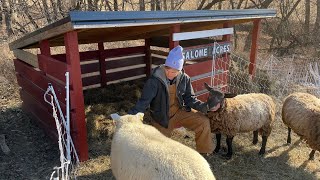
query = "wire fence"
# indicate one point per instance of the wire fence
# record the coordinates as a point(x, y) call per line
point(273, 75)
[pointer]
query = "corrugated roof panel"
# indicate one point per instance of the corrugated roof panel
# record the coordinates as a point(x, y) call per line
point(77, 16)
point(89, 21)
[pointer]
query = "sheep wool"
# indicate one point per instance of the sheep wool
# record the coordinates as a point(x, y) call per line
point(244, 113)
point(301, 113)
point(141, 152)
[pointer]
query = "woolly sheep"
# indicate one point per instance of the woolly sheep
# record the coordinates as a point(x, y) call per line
point(140, 151)
point(237, 114)
point(301, 113)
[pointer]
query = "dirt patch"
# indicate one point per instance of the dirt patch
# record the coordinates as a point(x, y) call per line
point(32, 154)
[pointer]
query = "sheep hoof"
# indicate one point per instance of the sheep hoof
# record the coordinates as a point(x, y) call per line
point(262, 152)
point(254, 142)
point(227, 156)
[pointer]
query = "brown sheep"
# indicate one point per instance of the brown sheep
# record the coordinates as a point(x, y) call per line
point(301, 113)
point(242, 113)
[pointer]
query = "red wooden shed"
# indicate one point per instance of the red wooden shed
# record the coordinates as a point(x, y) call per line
point(98, 68)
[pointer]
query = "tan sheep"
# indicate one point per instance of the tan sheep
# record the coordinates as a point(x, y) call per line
point(242, 113)
point(301, 113)
point(141, 152)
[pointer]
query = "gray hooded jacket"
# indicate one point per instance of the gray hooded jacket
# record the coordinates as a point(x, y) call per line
point(156, 95)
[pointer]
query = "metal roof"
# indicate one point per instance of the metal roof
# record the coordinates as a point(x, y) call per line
point(97, 26)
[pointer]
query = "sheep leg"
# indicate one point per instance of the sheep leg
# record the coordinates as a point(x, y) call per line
point(229, 143)
point(218, 138)
point(289, 136)
point(311, 155)
point(255, 137)
point(263, 146)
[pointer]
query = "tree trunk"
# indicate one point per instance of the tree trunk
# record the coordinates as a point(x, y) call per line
point(153, 5)
point(30, 18)
point(165, 6)
point(7, 16)
point(108, 5)
point(307, 20)
point(316, 29)
point(115, 5)
point(158, 5)
point(142, 6)
point(55, 10)
point(212, 3)
point(201, 4)
point(46, 11)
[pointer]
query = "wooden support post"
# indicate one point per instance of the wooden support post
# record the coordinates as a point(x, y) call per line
point(78, 124)
point(147, 57)
point(254, 47)
point(226, 37)
point(102, 63)
point(175, 29)
point(45, 47)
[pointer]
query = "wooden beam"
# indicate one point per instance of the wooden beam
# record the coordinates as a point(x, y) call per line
point(102, 64)
point(52, 67)
point(26, 57)
point(78, 123)
point(174, 29)
point(201, 34)
point(38, 36)
point(147, 57)
point(45, 48)
point(227, 37)
point(254, 47)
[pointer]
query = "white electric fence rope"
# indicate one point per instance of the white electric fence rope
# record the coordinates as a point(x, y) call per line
point(67, 162)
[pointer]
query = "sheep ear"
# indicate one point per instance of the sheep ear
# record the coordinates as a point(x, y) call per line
point(228, 95)
point(207, 86)
point(140, 116)
point(115, 116)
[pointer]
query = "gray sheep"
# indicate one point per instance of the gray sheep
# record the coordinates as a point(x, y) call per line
point(301, 113)
point(237, 114)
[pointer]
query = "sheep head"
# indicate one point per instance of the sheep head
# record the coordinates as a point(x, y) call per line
point(216, 98)
point(120, 120)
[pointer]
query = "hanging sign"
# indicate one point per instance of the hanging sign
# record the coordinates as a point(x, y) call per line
point(199, 52)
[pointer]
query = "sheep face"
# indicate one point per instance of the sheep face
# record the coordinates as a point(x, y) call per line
point(121, 120)
point(216, 98)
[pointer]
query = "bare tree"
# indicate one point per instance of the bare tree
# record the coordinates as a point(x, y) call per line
point(158, 5)
point(165, 5)
point(152, 5)
point(307, 17)
point(46, 11)
point(316, 29)
point(115, 5)
point(209, 5)
point(286, 13)
point(7, 16)
point(55, 10)
point(142, 6)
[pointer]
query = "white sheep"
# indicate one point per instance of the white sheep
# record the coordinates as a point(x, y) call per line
point(140, 151)
point(237, 114)
point(301, 113)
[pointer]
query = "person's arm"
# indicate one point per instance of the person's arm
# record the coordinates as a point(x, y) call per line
point(191, 100)
point(148, 93)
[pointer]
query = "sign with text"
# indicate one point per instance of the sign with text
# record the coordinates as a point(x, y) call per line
point(199, 52)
